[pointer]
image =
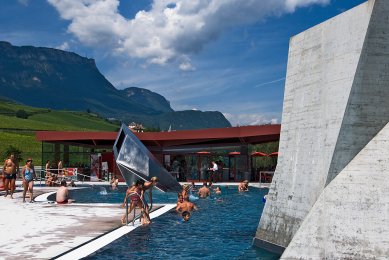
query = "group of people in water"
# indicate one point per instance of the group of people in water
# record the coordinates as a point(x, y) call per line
point(184, 207)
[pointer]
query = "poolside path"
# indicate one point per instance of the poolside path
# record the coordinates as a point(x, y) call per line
point(41, 230)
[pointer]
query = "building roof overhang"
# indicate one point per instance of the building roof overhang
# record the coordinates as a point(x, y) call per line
point(201, 137)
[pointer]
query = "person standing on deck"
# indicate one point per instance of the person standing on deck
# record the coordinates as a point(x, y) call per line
point(9, 175)
point(28, 175)
point(213, 172)
point(60, 168)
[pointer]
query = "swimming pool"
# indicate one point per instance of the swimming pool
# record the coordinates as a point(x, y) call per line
point(223, 227)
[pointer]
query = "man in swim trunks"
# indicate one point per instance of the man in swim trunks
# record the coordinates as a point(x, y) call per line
point(62, 196)
point(185, 206)
point(204, 191)
point(148, 185)
point(9, 175)
point(28, 175)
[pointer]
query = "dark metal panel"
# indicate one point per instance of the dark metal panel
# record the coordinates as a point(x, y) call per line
point(136, 161)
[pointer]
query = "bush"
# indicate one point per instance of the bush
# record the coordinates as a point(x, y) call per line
point(21, 114)
point(12, 150)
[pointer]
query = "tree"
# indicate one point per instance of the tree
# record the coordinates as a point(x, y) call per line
point(21, 114)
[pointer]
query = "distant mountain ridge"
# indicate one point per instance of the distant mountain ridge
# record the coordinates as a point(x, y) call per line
point(51, 78)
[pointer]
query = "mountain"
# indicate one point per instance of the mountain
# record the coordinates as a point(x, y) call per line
point(56, 79)
point(145, 97)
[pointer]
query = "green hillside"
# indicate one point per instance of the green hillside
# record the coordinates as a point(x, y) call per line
point(20, 133)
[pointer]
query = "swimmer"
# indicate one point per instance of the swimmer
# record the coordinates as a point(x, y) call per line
point(204, 191)
point(185, 192)
point(217, 191)
point(183, 205)
point(114, 182)
point(193, 187)
point(243, 186)
point(186, 216)
point(149, 186)
point(135, 193)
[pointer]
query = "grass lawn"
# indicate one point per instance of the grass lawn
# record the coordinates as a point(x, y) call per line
point(20, 133)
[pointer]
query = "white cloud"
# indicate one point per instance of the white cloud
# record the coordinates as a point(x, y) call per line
point(249, 119)
point(170, 30)
point(24, 2)
point(64, 46)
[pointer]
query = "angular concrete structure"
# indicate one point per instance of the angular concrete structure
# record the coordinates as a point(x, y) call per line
point(135, 161)
point(336, 101)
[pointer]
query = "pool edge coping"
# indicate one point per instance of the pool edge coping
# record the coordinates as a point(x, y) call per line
point(97, 243)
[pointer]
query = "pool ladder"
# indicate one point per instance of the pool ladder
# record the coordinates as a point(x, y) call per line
point(134, 209)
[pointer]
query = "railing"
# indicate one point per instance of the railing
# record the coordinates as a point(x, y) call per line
point(61, 174)
point(134, 209)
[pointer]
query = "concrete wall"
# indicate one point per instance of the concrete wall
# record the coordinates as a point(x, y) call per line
point(350, 218)
point(335, 103)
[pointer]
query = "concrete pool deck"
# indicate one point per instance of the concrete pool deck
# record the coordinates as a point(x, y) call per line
point(41, 230)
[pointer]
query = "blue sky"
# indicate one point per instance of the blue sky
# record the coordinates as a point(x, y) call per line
point(211, 55)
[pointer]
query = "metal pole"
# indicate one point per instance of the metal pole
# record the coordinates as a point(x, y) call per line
point(127, 211)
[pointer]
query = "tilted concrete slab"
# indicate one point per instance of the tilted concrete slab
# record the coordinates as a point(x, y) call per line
point(350, 219)
point(335, 102)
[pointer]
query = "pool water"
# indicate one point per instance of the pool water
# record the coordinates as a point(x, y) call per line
point(222, 228)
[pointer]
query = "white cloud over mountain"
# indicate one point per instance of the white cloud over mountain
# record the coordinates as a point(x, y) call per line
point(249, 119)
point(171, 30)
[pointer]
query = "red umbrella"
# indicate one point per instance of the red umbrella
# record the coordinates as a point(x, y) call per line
point(234, 153)
point(203, 152)
point(258, 154)
point(274, 154)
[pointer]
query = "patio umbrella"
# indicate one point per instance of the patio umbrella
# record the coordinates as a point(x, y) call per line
point(258, 154)
point(234, 153)
point(203, 152)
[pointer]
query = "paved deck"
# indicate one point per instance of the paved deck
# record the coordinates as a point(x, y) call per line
point(41, 230)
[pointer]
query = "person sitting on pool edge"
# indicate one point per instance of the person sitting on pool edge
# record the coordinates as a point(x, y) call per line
point(243, 186)
point(62, 196)
point(186, 215)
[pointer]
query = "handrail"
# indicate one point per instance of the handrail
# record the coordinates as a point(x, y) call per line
point(42, 175)
point(143, 205)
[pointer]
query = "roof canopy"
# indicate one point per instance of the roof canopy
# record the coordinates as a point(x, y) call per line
point(212, 136)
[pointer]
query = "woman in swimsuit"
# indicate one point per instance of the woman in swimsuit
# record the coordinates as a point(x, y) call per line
point(136, 194)
point(28, 175)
